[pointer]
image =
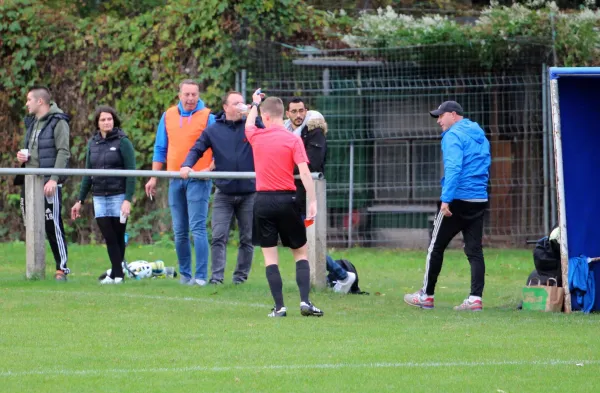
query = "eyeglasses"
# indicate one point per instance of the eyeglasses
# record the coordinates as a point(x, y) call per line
point(297, 111)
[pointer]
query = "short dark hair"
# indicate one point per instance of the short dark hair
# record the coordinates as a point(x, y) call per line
point(296, 100)
point(107, 109)
point(41, 92)
point(189, 82)
point(229, 93)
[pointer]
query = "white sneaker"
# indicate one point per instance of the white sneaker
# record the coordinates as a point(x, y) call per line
point(197, 281)
point(107, 280)
point(118, 280)
point(343, 286)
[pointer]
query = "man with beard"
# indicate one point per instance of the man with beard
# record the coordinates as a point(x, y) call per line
point(311, 127)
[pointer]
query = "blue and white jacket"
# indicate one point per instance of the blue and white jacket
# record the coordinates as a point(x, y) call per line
point(467, 161)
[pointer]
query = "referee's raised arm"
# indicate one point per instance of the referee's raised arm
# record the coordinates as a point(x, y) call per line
point(253, 114)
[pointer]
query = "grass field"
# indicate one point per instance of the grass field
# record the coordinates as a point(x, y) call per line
point(159, 336)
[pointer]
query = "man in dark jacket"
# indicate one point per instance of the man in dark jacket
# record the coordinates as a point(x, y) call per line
point(232, 153)
point(311, 127)
point(46, 145)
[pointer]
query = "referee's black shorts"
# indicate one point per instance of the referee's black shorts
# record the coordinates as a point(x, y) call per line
point(276, 215)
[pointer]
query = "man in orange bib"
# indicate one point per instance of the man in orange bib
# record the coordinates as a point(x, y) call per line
point(178, 130)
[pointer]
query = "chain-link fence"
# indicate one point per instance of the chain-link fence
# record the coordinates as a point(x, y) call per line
point(384, 162)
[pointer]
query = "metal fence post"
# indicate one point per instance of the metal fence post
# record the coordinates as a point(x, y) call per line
point(243, 84)
point(34, 227)
point(350, 194)
point(317, 238)
point(546, 159)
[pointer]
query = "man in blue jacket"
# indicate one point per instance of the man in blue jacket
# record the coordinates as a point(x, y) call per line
point(467, 160)
point(232, 153)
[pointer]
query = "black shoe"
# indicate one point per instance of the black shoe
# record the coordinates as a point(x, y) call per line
point(215, 282)
point(282, 312)
point(308, 309)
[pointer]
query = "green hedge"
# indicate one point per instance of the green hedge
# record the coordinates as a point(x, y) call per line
point(132, 64)
point(500, 32)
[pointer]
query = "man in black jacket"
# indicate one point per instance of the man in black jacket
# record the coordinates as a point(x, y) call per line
point(313, 137)
point(311, 127)
point(46, 145)
point(232, 153)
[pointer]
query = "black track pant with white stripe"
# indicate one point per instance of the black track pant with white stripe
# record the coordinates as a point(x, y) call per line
point(467, 217)
point(55, 231)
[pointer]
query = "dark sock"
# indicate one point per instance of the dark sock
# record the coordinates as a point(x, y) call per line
point(276, 285)
point(303, 279)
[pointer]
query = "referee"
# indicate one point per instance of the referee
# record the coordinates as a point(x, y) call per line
point(276, 151)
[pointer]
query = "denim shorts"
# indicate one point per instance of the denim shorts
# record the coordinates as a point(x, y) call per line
point(108, 206)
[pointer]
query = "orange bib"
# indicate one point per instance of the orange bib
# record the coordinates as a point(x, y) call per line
point(182, 133)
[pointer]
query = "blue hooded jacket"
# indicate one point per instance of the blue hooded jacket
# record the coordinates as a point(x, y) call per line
point(467, 161)
point(581, 284)
point(161, 144)
point(231, 153)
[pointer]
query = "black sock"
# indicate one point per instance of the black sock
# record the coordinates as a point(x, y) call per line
point(276, 285)
point(303, 279)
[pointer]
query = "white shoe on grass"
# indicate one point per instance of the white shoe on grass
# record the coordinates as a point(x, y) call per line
point(343, 286)
point(197, 281)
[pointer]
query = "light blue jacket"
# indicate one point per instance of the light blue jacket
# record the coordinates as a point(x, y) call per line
point(467, 162)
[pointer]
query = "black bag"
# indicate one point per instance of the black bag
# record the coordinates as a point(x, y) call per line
point(546, 257)
point(349, 267)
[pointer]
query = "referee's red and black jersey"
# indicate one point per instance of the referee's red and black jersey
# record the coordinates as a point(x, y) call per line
point(276, 152)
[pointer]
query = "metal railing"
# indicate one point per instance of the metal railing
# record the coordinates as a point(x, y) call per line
point(34, 217)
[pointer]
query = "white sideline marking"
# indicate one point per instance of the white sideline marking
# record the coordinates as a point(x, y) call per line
point(150, 297)
point(66, 372)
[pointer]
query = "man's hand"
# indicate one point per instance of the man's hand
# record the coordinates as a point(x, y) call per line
point(151, 187)
point(75, 211)
point(312, 210)
point(184, 172)
point(212, 166)
point(22, 158)
point(445, 209)
point(50, 188)
point(126, 208)
point(253, 114)
point(257, 97)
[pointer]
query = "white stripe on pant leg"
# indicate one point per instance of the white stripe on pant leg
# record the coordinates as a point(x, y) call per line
point(436, 228)
point(58, 233)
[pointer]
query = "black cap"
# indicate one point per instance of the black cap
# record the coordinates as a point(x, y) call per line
point(447, 106)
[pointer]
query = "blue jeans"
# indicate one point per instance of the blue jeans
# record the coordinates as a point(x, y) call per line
point(108, 206)
point(335, 269)
point(188, 200)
